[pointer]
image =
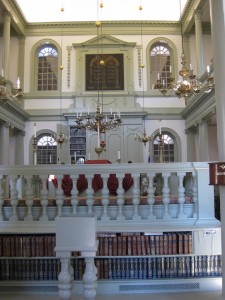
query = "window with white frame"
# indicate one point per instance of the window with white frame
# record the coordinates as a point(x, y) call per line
point(160, 60)
point(166, 145)
point(47, 68)
point(46, 149)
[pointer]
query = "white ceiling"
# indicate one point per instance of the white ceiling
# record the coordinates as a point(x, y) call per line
point(88, 10)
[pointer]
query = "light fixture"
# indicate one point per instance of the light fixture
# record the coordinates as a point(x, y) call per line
point(188, 83)
point(7, 93)
point(99, 122)
point(61, 137)
point(144, 138)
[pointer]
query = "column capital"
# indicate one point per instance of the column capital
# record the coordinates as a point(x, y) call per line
point(198, 13)
point(7, 16)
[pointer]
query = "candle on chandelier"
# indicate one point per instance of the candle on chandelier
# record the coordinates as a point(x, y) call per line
point(160, 129)
point(2, 72)
point(18, 83)
point(118, 154)
point(208, 69)
point(158, 76)
point(191, 67)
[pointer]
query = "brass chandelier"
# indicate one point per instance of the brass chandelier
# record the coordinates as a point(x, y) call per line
point(144, 138)
point(188, 82)
point(99, 122)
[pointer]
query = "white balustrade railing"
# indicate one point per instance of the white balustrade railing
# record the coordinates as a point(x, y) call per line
point(137, 193)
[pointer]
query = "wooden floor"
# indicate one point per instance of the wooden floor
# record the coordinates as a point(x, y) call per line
point(162, 296)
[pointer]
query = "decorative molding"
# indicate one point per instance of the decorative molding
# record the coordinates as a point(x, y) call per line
point(69, 49)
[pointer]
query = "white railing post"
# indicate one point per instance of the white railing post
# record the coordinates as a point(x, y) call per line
point(89, 193)
point(29, 197)
point(150, 196)
point(74, 194)
point(136, 195)
point(181, 195)
point(14, 198)
point(166, 195)
point(44, 198)
point(105, 197)
point(59, 195)
point(120, 197)
point(1, 198)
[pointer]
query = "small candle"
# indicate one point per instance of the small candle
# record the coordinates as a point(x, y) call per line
point(2, 72)
point(118, 154)
point(208, 69)
point(160, 130)
point(158, 76)
point(163, 82)
point(35, 130)
point(191, 67)
point(75, 155)
point(18, 83)
point(170, 69)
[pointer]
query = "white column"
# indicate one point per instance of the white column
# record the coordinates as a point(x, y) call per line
point(4, 144)
point(199, 42)
point(203, 141)
point(217, 8)
point(191, 155)
point(19, 155)
point(6, 43)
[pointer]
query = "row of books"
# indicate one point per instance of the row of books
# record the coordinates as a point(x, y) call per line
point(124, 244)
point(115, 268)
point(140, 244)
point(27, 245)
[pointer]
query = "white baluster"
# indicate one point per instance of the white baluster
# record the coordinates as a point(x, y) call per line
point(195, 194)
point(90, 279)
point(14, 198)
point(105, 197)
point(29, 200)
point(136, 196)
point(181, 195)
point(166, 195)
point(90, 194)
point(74, 194)
point(44, 198)
point(64, 279)
point(59, 195)
point(150, 197)
point(120, 197)
point(1, 198)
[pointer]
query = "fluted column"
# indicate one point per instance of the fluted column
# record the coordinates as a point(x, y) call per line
point(191, 155)
point(217, 8)
point(4, 144)
point(21, 61)
point(6, 43)
point(199, 42)
point(203, 141)
point(19, 155)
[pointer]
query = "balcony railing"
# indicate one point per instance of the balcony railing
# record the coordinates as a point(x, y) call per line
point(134, 194)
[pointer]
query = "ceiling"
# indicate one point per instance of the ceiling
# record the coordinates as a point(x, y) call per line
point(89, 10)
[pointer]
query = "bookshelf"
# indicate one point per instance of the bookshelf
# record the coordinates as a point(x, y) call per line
point(77, 144)
point(120, 256)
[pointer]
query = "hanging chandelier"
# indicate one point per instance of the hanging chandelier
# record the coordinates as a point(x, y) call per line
point(6, 93)
point(188, 83)
point(99, 122)
point(144, 138)
point(61, 138)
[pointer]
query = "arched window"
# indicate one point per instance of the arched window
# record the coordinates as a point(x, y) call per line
point(160, 60)
point(165, 147)
point(47, 68)
point(46, 149)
